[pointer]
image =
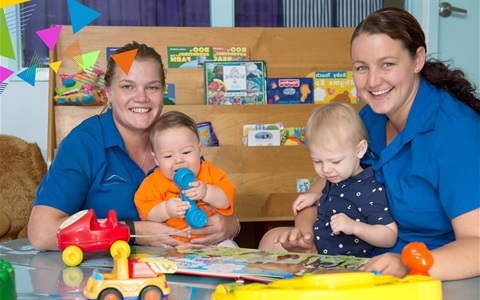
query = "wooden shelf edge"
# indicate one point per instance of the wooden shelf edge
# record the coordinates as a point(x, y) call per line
point(264, 219)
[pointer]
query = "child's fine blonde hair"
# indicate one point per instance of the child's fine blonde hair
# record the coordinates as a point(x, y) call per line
point(333, 125)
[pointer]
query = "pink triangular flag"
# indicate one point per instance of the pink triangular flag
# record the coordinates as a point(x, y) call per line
point(4, 73)
point(50, 36)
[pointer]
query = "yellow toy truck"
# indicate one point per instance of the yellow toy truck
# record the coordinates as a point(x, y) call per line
point(141, 278)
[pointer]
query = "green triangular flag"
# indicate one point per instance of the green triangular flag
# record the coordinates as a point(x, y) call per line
point(7, 47)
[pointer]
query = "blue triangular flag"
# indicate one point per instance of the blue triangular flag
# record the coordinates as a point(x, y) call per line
point(81, 15)
point(28, 75)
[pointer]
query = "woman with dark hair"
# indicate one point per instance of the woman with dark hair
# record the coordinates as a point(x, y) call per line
point(423, 121)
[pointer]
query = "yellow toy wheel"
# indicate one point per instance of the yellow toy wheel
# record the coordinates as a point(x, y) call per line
point(72, 256)
point(121, 248)
point(72, 277)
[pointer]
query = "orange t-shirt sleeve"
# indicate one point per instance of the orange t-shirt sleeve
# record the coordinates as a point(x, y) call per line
point(219, 178)
point(153, 190)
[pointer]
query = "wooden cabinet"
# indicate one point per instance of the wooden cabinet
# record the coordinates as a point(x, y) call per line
point(265, 176)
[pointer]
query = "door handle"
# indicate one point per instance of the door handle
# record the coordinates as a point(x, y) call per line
point(445, 9)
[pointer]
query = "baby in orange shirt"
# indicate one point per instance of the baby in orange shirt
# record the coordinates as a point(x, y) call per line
point(176, 144)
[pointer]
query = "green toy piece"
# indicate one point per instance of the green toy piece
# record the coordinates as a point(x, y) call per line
point(70, 86)
point(7, 281)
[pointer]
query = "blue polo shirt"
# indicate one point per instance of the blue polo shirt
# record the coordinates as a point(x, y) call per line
point(431, 170)
point(92, 169)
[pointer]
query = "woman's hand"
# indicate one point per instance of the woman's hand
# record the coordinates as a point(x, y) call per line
point(387, 263)
point(296, 241)
point(217, 229)
point(158, 234)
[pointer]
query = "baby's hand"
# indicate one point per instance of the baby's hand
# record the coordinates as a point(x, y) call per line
point(341, 223)
point(176, 208)
point(197, 190)
point(303, 201)
point(298, 204)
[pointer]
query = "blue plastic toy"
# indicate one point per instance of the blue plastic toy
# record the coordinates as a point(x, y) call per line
point(195, 217)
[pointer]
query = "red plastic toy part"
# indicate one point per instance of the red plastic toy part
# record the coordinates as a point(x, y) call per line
point(418, 258)
point(82, 232)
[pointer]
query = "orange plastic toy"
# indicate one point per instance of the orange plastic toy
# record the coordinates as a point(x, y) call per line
point(418, 258)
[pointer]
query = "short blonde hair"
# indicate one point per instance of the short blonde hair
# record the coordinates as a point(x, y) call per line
point(335, 124)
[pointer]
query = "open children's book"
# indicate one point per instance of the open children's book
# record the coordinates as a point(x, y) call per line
point(240, 263)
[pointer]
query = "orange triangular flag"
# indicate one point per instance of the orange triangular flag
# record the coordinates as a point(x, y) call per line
point(125, 59)
point(73, 51)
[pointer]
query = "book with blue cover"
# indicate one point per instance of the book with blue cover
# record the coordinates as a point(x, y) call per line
point(289, 91)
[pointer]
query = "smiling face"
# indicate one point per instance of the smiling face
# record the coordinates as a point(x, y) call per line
point(385, 74)
point(175, 148)
point(136, 98)
point(339, 162)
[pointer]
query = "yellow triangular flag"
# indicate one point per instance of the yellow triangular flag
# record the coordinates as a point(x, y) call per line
point(55, 65)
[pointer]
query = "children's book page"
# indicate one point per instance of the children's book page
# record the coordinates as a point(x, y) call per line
point(248, 264)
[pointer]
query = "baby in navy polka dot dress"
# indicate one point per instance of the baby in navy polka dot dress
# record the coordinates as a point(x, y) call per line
point(352, 211)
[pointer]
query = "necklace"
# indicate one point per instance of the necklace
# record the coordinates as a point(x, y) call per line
point(144, 157)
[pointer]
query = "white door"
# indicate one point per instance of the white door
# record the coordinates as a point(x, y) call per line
point(455, 38)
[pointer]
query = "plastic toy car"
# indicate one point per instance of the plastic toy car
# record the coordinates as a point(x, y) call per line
point(82, 232)
point(141, 278)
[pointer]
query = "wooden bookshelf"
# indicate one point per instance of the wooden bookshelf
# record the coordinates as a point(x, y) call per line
point(265, 176)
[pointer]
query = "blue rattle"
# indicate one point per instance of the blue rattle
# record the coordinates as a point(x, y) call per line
point(195, 217)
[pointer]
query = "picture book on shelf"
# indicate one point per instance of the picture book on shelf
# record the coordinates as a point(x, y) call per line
point(235, 82)
point(293, 136)
point(230, 53)
point(169, 94)
point(110, 51)
point(304, 184)
point(251, 130)
point(188, 56)
point(264, 138)
point(289, 90)
point(334, 86)
point(207, 136)
point(248, 264)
